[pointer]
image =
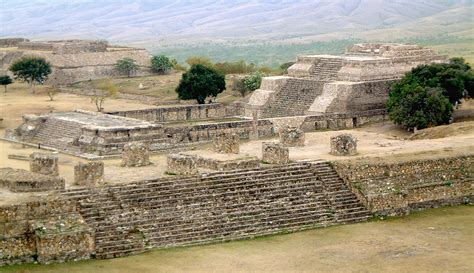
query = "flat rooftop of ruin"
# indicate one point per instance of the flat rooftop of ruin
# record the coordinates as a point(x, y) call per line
point(99, 119)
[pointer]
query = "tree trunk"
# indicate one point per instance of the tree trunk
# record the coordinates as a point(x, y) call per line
point(5, 89)
point(33, 90)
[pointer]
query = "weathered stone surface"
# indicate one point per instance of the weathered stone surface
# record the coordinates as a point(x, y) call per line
point(344, 144)
point(135, 154)
point(44, 164)
point(228, 165)
point(292, 137)
point(18, 180)
point(275, 153)
point(182, 164)
point(89, 174)
point(226, 143)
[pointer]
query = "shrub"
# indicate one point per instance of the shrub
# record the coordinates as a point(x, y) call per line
point(126, 66)
point(199, 83)
point(252, 82)
point(5, 80)
point(160, 64)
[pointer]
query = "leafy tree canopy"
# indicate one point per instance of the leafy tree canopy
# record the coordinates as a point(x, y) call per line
point(160, 64)
point(127, 66)
point(199, 83)
point(252, 82)
point(5, 80)
point(34, 70)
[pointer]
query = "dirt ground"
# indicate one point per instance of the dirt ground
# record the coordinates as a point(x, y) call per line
point(437, 240)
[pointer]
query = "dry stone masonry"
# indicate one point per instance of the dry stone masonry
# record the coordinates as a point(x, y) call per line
point(359, 80)
point(46, 164)
point(17, 180)
point(89, 174)
point(227, 143)
point(275, 153)
point(345, 144)
point(292, 137)
point(181, 164)
point(135, 154)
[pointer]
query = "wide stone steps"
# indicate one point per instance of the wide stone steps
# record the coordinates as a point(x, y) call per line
point(58, 133)
point(215, 207)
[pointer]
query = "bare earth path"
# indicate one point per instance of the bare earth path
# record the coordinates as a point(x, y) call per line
point(437, 240)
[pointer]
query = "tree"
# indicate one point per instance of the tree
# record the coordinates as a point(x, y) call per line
point(252, 82)
point(453, 78)
point(194, 60)
point(5, 80)
point(160, 64)
point(199, 83)
point(415, 106)
point(34, 70)
point(126, 66)
point(105, 89)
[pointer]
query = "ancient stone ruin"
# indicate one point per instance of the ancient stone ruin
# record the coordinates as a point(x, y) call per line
point(74, 60)
point(292, 137)
point(89, 174)
point(226, 143)
point(135, 154)
point(181, 164)
point(275, 153)
point(17, 180)
point(344, 144)
point(46, 164)
point(355, 81)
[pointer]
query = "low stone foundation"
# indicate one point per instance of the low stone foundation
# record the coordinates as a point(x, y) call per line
point(226, 143)
point(46, 164)
point(274, 153)
point(135, 154)
point(89, 174)
point(181, 164)
point(17, 180)
point(343, 145)
point(292, 137)
point(396, 188)
point(228, 165)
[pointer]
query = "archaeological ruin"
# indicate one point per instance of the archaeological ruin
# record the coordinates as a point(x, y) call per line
point(74, 60)
point(211, 189)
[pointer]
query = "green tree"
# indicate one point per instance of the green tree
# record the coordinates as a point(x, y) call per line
point(126, 66)
point(284, 67)
point(253, 81)
point(5, 80)
point(199, 83)
point(453, 78)
point(160, 64)
point(415, 106)
point(34, 70)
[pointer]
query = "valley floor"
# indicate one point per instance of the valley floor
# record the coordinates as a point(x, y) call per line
point(436, 240)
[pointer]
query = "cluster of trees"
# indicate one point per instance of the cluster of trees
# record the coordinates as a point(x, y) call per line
point(428, 94)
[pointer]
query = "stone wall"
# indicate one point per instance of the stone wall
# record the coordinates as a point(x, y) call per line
point(17, 180)
point(44, 231)
point(275, 153)
point(135, 154)
point(46, 164)
point(226, 143)
point(181, 164)
point(395, 188)
point(176, 113)
point(90, 174)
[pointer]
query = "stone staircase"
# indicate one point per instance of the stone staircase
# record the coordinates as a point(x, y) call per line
point(220, 206)
point(326, 69)
point(58, 133)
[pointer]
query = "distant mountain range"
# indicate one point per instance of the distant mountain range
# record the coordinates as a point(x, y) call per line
point(145, 22)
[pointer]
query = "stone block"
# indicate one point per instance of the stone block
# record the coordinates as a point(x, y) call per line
point(46, 164)
point(89, 174)
point(274, 153)
point(344, 144)
point(24, 181)
point(226, 143)
point(292, 137)
point(182, 164)
point(135, 154)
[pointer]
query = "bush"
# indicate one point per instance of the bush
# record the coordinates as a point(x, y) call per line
point(126, 66)
point(419, 107)
point(5, 80)
point(199, 83)
point(34, 70)
point(160, 64)
point(252, 82)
